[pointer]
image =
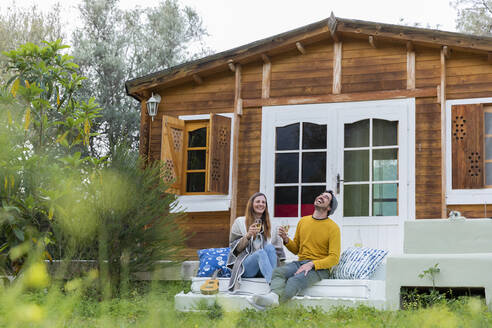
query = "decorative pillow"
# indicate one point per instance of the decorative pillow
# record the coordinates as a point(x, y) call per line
point(212, 259)
point(358, 263)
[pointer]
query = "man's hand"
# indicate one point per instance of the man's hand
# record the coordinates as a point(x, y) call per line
point(283, 234)
point(306, 267)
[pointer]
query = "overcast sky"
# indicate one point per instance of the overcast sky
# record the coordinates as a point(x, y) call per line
point(232, 23)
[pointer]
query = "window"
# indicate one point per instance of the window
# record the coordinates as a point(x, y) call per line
point(196, 154)
point(300, 168)
point(469, 151)
point(370, 168)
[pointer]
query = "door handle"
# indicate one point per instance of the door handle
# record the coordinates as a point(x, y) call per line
point(338, 183)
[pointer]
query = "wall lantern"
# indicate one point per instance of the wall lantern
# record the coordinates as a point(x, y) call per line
point(153, 105)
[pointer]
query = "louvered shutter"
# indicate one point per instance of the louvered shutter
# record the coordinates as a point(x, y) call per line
point(467, 133)
point(220, 148)
point(172, 151)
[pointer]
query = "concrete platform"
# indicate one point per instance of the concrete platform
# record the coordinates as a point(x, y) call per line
point(325, 294)
point(196, 302)
point(462, 249)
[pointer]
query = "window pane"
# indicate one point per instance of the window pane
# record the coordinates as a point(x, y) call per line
point(197, 138)
point(385, 164)
point(357, 134)
point(286, 201)
point(287, 168)
point(195, 182)
point(308, 194)
point(488, 174)
point(356, 200)
point(314, 167)
point(196, 159)
point(488, 148)
point(385, 199)
point(488, 123)
point(356, 165)
point(313, 136)
point(288, 137)
point(385, 133)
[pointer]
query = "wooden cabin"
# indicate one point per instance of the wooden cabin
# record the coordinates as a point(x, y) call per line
point(397, 120)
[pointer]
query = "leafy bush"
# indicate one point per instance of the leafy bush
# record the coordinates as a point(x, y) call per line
point(127, 221)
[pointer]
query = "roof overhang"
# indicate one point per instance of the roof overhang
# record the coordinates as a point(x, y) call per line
point(333, 28)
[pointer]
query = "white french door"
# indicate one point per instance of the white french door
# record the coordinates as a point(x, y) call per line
point(363, 151)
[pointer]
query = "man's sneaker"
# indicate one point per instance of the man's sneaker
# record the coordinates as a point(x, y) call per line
point(267, 300)
point(256, 306)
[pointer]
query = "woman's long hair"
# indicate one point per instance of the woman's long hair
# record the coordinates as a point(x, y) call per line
point(250, 214)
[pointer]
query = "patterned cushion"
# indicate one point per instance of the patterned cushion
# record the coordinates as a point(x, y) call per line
point(212, 259)
point(358, 263)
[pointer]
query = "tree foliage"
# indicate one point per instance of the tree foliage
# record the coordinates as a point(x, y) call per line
point(43, 127)
point(474, 16)
point(19, 25)
point(116, 45)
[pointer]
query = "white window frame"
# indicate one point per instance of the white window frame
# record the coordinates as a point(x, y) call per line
point(462, 196)
point(274, 116)
point(206, 203)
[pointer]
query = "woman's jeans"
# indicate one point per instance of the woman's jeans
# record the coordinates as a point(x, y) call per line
point(286, 284)
point(263, 260)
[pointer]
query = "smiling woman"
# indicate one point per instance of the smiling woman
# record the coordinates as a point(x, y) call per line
point(255, 245)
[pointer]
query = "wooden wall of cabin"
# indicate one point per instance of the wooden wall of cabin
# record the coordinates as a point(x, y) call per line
point(364, 69)
point(428, 191)
point(214, 95)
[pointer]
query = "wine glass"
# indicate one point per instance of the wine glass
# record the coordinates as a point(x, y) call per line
point(258, 223)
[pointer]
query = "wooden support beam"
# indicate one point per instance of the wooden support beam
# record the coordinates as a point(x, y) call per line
point(197, 78)
point(443, 132)
point(446, 51)
point(231, 65)
point(337, 68)
point(266, 79)
point(238, 105)
point(372, 41)
point(300, 48)
point(265, 58)
point(332, 98)
point(144, 126)
point(410, 69)
point(410, 46)
point(332, 26)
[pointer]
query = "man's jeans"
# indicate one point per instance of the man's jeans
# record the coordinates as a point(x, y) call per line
point(263, 260)
point(286, 285)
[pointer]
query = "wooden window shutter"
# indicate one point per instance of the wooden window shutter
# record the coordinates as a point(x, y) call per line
point(467, 133)
point(219, 153)
point(172, 151)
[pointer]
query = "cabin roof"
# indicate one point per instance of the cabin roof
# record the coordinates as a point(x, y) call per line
point(334, 28)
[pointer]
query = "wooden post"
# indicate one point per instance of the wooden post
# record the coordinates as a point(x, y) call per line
point(372, 41)
point(443, 133)
point(235, 155)
point(410, 66)
point(300, 48)
point(266, 77)
point(337, 68)
point(144, 142)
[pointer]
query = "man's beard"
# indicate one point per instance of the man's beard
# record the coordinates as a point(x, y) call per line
point(320, 208)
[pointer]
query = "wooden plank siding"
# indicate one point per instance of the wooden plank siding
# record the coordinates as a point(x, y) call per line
point(364, 69)
point(205, 230)
point(310, 74)
point(249, 158)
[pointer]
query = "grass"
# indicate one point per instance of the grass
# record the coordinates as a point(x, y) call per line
point(152, 305)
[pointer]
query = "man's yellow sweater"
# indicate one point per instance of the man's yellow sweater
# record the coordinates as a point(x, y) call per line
point(316, 240)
